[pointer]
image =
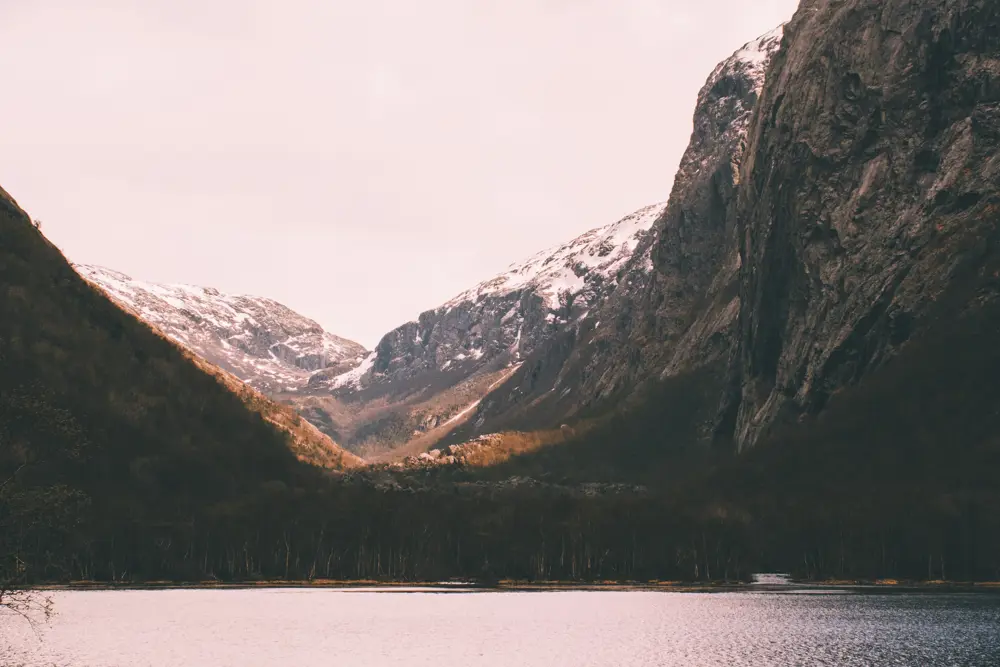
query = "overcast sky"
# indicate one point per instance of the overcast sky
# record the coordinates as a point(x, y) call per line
point(359, 161)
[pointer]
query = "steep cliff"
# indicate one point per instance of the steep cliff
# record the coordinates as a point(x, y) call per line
point(869, 202)
point(675, 308)
point(575, 329)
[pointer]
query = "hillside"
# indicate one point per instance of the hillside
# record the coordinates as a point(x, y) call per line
point(101, 414)
point(870, 191)
point(854, 418)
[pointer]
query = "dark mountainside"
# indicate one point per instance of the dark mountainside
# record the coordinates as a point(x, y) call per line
point(871, 194)
point(865, 377)
point(677, 310)
point(808, 382)
point(103, 421)
point(868, 206)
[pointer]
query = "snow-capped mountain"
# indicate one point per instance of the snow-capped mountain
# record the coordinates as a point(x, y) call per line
point(265, 344)
point(578, 268)
point(508, 314)
point(577, 324)
point(676, 307)
point(428, 374)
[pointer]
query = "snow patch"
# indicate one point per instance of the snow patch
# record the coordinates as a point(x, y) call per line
point(353, 377)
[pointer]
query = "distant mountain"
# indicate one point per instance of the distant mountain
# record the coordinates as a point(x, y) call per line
point(267, 345)
point(426, 377)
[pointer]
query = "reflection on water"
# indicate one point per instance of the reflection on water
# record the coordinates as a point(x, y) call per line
point(248, 628)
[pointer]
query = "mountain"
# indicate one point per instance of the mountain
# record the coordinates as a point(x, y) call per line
point(427, 376)
point(676, 310)
point(108, 428)
point(811, 374)
point(574, 329)
point(843, 215)
point(267, 345)
point(839, 361)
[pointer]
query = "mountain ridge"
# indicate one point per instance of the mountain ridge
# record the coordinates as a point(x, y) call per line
point(257, 339)
point(432, 372)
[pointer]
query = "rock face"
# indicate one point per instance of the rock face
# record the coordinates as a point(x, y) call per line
point(676, 306)
point(265, 344)
point(686, 314)
point(868, 193)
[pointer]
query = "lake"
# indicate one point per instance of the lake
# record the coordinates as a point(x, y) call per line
point(345, 627)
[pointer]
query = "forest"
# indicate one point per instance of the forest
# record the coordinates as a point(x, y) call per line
point(122, 461)
point(893, 480)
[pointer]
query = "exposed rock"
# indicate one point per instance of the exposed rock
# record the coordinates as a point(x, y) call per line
point(869, 188)
point(679, 315)
point(426, 378)
point(260, 341)
point(580, 325)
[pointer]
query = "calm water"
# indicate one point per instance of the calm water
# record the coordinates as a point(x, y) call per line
point(341, 628)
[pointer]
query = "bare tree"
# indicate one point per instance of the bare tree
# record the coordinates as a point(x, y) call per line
point(15, 596)
point(29, 604)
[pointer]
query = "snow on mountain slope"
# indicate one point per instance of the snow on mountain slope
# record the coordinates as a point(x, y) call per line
point(585, 321)
point(509, 314)
point(426, 372)
point(565, 269)
point(260, 341)
point(682, 315)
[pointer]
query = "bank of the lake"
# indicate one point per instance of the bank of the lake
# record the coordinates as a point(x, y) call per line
point(874, 586)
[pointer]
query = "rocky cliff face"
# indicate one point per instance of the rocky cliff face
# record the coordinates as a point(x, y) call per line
point(265, 344)
point(687, 311)
point(676, 306)
point(869, 193)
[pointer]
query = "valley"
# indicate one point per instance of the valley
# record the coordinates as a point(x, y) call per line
point(787, 366)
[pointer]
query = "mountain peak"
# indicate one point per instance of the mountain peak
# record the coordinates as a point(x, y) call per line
point(565, 268)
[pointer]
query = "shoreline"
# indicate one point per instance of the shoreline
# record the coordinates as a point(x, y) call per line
point(466, 587)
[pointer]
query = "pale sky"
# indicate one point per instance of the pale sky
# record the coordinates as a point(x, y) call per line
point(359, 161)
